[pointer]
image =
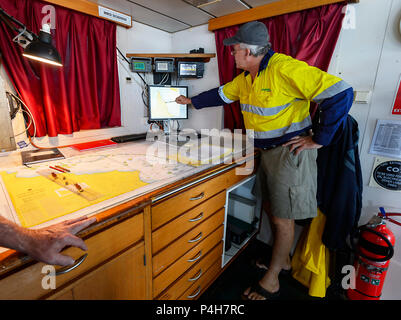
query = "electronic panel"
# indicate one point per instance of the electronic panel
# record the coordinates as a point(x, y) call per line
point(165, 65)
point(141, 64)
point(188, 69)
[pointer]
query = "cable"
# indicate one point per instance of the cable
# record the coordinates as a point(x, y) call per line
point(392, 214)
point(129, 63)
point(27, 128)
point(164, 79)
point(141, 78)
point(123, 56)
point(144, 94)
point(121, 63)
point(34, 126)
point(27, 111)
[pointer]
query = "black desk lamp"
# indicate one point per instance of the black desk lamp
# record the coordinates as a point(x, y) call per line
point(35, 47)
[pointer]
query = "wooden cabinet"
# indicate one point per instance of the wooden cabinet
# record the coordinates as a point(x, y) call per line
point(196, 275)
point(27, 283)
point(187, 238)
point(171, 247)
point(122, 278)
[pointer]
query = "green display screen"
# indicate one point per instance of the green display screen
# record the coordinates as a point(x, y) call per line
point(139, 65)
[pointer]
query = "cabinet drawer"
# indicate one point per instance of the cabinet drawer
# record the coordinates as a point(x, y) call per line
point(174, 206)
point(27, 283)
point(188, 260)
point(193, 275)
point(188, 241)
point(172, 230)
point(196, 289)
point(121, 278)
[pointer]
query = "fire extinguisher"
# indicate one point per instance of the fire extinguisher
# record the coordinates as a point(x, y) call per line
point(374, 249)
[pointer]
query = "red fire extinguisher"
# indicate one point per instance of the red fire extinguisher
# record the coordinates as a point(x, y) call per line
point(374, 249)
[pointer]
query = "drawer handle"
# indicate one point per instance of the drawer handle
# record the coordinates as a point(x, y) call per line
point(195, 294)
point(198, 197)
point(197, 218)
point(196, 258)
point(197, 277)
point(197, 239)
point(70, 268)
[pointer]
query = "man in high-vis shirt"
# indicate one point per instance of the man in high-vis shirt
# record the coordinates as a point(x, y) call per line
point(275, 92)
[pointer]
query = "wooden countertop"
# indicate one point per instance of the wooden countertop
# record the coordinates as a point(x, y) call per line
point(12, 261)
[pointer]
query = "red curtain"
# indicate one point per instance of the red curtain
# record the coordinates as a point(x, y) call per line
point(84, 93)
point(310, 35)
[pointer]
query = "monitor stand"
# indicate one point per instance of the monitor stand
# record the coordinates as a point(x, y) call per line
point(178, 137)
point(167, 124)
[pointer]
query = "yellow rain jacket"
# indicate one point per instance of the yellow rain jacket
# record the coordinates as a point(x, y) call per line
point(310, 263)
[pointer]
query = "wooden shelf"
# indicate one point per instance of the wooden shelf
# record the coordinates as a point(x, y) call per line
point(205, 57)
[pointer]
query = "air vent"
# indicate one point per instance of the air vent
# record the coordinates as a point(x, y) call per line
point(201, 3)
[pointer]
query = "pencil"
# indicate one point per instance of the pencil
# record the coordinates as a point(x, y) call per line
point(56, 169)
point(66, 170)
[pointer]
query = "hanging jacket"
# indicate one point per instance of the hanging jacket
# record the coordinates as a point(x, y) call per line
point(311, 260)
point(339, 192)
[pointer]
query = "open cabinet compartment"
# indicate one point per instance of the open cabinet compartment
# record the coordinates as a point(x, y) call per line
point(242, 217)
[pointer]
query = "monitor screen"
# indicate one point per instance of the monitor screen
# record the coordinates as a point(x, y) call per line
point(187, 69)
point(162, 105)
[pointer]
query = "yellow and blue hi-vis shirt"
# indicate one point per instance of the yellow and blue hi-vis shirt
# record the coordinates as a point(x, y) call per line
point(276, 104)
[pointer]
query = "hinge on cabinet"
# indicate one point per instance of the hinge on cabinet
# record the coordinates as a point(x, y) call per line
point(144, 260)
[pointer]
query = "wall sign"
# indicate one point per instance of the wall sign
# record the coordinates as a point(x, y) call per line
point(387, 139)
point(397, 101)
point(387, 174)
point(115, 16)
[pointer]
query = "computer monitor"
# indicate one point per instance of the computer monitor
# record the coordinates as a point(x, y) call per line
point(162, 105)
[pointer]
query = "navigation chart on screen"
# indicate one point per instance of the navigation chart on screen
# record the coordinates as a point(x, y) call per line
point(163, 105)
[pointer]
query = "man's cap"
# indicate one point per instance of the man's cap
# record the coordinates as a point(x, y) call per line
point(253, 32)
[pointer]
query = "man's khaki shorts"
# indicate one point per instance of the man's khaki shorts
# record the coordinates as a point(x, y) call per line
point(289, 182)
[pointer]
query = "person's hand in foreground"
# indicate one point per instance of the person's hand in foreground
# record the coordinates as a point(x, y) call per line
point(45, 244)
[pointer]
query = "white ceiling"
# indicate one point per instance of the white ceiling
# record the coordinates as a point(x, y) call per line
point(176, 15)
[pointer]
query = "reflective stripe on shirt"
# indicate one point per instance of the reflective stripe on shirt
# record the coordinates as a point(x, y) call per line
point(297, 126)
point(223, 97)
point(332, 91)
point(264, 111)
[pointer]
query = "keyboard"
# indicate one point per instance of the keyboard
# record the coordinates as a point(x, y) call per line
point(129, 137)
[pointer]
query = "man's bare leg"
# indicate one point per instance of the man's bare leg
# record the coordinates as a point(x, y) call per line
point(283, 239)
point(266, 208)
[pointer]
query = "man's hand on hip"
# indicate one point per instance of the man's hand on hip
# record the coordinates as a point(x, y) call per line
point(300, 143)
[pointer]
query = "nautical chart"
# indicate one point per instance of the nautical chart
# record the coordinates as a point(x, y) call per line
point(107, 173)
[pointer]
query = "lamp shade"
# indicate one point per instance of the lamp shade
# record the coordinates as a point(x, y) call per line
point(42, 50)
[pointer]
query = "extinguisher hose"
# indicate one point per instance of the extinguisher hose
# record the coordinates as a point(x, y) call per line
point(391, 214)
point(387, 252)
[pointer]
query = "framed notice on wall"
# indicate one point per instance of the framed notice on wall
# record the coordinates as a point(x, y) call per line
point(386, 174)
point(387, 139)
point(397, 100)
